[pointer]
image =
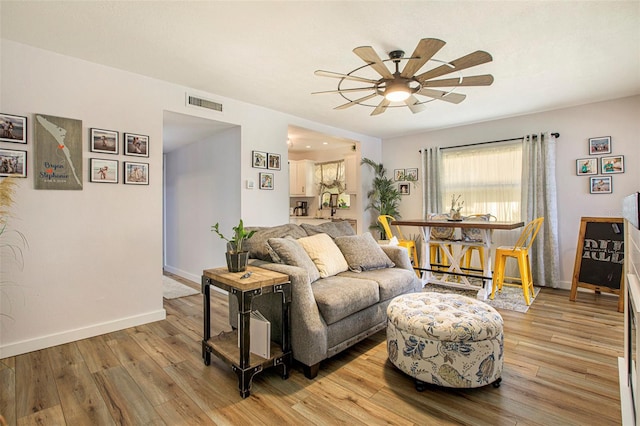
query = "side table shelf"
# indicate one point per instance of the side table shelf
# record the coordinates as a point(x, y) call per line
point(225, 345)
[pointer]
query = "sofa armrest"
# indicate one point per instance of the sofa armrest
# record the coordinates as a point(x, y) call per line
point(398, 255)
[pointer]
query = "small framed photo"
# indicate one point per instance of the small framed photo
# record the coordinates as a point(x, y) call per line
point(13, 163)
point(398, 174)
point(600, 145)
point(104, 141)
point(614, 164)
point(103, 171)
point(259, 159)
point(13, 128)
point(411, 175)
point(600, 185)
point(403, 188)
point(266, 180)
point(273, 161)
point(136, 173)
point(586, 166)
point(137, 145)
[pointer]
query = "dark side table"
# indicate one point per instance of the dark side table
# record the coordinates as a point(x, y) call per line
point(225, 345)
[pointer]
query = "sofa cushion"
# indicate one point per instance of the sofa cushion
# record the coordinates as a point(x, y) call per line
point(333, 229)
point(257, 245)
point(339, 297)
point(325, 254)
point(392, 282)
point(363, 253)
point(289, 252)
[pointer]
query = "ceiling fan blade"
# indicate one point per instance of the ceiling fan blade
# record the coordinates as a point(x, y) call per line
point(382, 107)
point(355, 89)
point(454, 98)
point(321, 73)
point(414, 105)
point(367, 54)
point(476, 80)
point(471, 60)
point(357, 101)
point(426, 48)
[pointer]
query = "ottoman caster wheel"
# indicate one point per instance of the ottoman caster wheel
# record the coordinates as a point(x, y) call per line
point(420, 385)
point(496, 384)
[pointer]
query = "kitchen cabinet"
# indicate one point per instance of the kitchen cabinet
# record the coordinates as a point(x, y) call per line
point(301, 178)
point(350, 175)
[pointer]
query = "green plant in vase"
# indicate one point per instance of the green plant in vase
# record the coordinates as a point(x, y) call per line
point(384, 196)
point(237, 258)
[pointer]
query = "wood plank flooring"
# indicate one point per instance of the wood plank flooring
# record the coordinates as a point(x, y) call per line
point(560, 369)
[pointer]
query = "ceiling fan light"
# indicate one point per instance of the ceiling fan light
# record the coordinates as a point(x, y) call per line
point(397, 95)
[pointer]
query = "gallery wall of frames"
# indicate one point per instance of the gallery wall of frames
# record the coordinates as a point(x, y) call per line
point(58, 148)
point(601, 165)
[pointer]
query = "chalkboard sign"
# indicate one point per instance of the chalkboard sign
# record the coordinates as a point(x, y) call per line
point(599, 257)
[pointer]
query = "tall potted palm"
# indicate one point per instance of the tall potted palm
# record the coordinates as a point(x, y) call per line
point(384, 197)
point(237, 258)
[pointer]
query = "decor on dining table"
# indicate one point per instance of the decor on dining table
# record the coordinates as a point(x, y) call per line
point(600, 145)
point(456, 206)
point(13, 163)
point(259, 159)
point(104, 141)
point(103, 171)
point(266, 180)
point(13, 128)
point(273, 162)
point(137, 145)
point(58, 153)
point(136, 173)
point(600, 185)
point(586, 166)
point(614, 164)
point(236, 257)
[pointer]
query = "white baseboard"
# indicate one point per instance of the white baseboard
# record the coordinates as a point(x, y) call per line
point(43, 342)
point(184, 274)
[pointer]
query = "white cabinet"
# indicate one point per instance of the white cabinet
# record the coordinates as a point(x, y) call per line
point(350, 174)
point(301, 178)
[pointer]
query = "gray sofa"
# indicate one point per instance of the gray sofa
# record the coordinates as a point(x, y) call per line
point(330, 311)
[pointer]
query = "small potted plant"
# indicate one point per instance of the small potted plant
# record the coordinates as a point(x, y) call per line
point(236, 257)
point(455, 209)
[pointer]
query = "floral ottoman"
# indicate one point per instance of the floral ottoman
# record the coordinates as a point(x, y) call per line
point(445, 339)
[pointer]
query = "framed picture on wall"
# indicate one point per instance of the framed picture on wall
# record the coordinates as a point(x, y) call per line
point(600, 185)
point(136, 173)
point(614, 164)
point(13, 128)
point(273, 161)
point(266, 180)
point(13, 163)
point(103, 171)
point(137, 145)
point(600, 145)
point(586, 166)
point(403, 188)
point(398, 174)
point(259, 159)
point(105, 141)
point(411, 175)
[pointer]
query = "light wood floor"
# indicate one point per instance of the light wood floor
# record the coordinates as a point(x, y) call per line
point(560, 369)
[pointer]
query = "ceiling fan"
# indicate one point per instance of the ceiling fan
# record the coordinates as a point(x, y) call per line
point(403, 86)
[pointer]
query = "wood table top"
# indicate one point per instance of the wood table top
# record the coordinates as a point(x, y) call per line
point(471, 223)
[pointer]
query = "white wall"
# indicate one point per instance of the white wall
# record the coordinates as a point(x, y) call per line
point(94, 262)
point(617, 118)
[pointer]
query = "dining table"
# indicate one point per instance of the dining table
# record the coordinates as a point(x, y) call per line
point(451, 273)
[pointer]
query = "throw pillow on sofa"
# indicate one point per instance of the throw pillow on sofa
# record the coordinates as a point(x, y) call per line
point(363, 253)
point(325, 254)
point(289, 252)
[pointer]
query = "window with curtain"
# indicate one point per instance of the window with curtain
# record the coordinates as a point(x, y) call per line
point(330, 179)
point(488, 178)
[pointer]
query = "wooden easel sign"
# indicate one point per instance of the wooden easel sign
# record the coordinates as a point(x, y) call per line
point(600, 257)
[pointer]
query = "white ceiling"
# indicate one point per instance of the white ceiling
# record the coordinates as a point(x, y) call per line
point(546, 54)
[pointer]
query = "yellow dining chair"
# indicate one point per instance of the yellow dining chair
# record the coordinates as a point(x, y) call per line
point(475, 234)
point(385, 220)
point(519, 251)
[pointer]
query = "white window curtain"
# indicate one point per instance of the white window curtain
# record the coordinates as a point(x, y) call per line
point(330, 177)
point(539, 198)
point(431, 188)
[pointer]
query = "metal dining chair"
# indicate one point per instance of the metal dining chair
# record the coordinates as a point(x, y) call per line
point(519, 251)
point(475, 234)
point(385, 220)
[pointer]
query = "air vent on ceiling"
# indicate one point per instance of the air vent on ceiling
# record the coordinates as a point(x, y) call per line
point(203, 103)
